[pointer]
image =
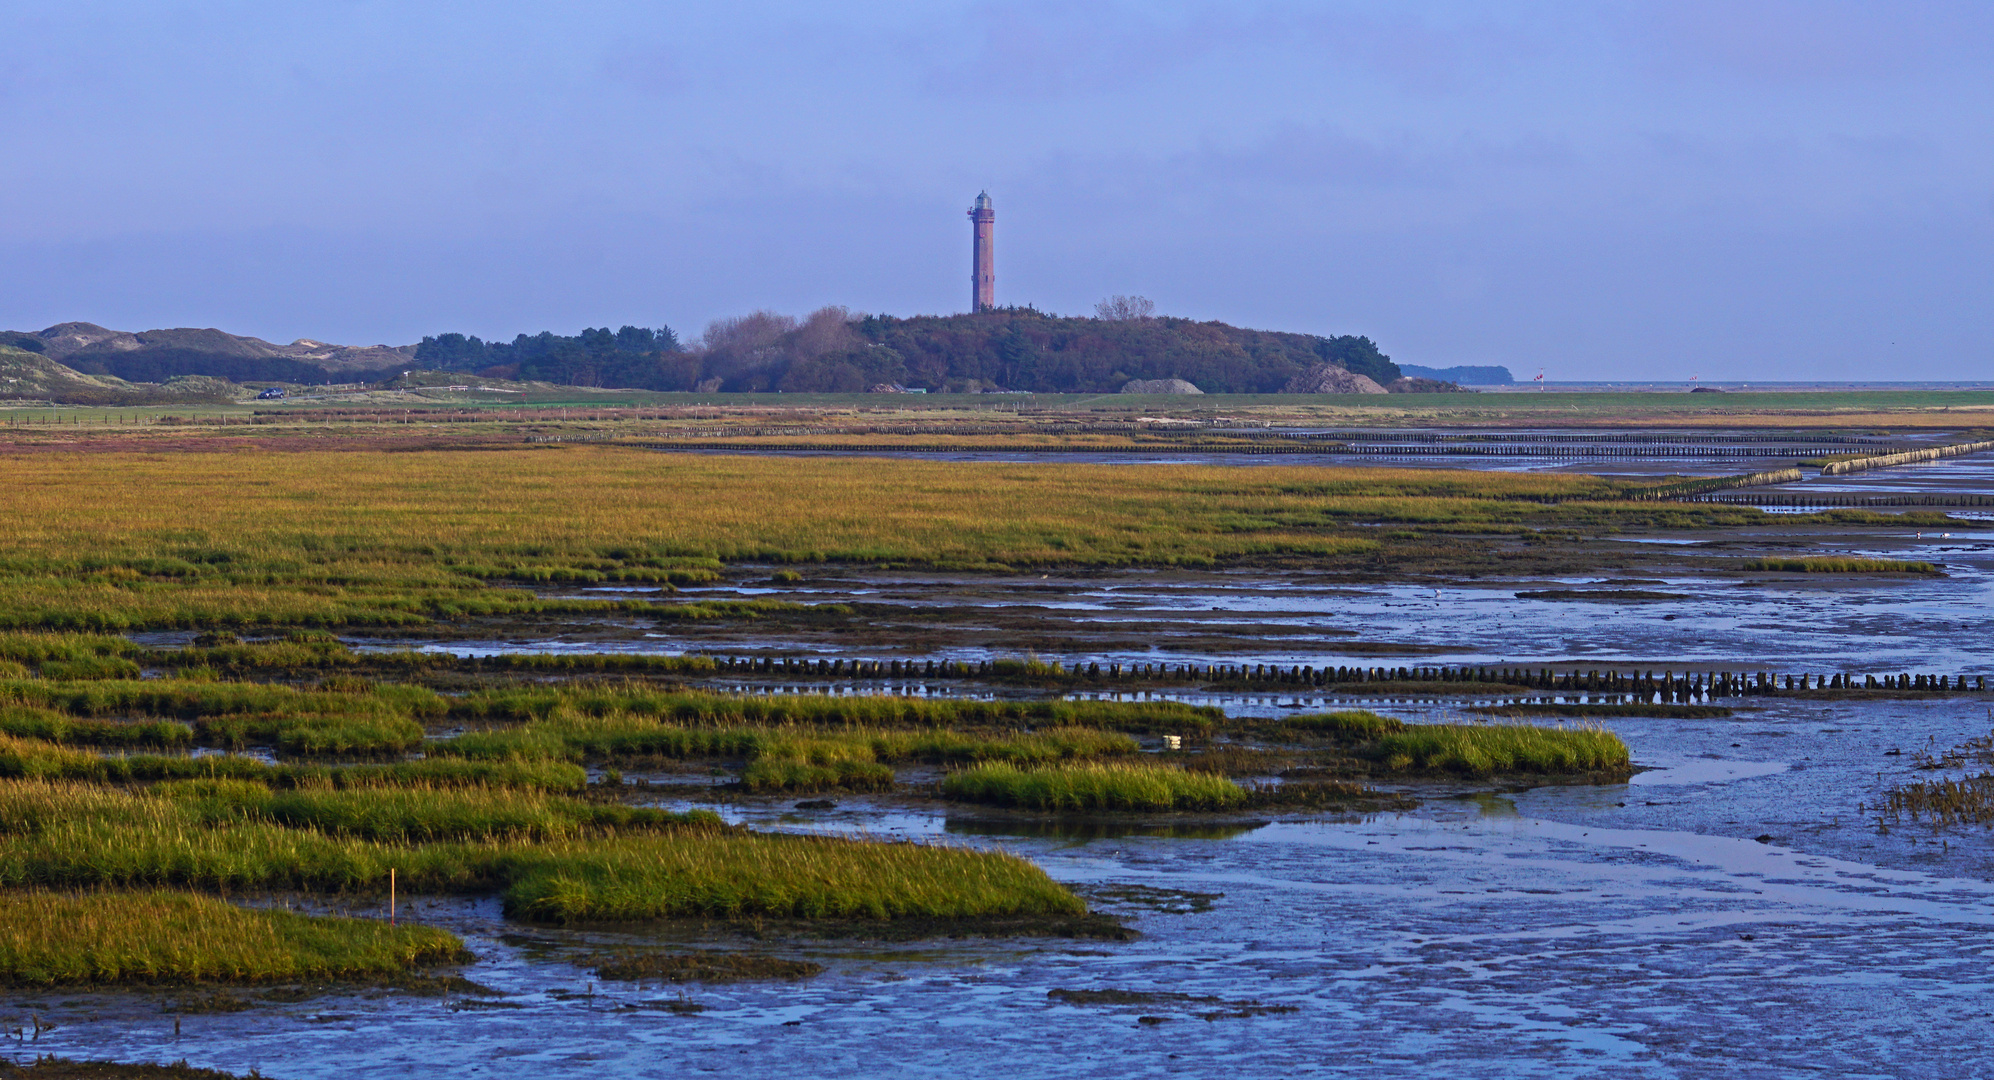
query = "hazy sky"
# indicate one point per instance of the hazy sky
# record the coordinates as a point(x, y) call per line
point(1772, 189)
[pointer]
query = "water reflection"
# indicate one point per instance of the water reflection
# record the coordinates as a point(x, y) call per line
point(1082, 829)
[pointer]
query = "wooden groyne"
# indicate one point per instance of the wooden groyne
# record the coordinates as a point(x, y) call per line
point(1667, 685)
point(1554, 451)
point(1904, 457)
point(1210, 432)
point(1835, 500)
point(1688, 490)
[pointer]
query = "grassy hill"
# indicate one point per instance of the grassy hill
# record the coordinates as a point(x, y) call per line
point(29, 376)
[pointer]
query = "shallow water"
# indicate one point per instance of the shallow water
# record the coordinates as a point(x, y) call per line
point(1878, 625)
point(1603, 452)
point(1731, 910)
point(1629, 930)
point(1787, 622)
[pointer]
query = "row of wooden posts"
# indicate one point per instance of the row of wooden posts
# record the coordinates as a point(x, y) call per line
point(1669, 685)
point(1841, 500)
point(1250, 449)
point(1207, 432)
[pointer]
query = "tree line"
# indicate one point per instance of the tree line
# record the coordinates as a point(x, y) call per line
point(633, 357)
point(834, 351)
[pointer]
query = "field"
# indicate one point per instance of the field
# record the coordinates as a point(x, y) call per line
point(1663, 407)
point(125, 542)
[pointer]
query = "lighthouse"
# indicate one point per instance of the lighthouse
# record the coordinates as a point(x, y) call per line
point(983, 255)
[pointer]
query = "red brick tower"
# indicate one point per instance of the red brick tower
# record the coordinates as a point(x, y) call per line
point(983, 262)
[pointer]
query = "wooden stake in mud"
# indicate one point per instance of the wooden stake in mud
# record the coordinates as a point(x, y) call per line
point(391, 896)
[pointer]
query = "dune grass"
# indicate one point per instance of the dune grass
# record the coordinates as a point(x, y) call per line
point(1136, 787)
point(159, 937)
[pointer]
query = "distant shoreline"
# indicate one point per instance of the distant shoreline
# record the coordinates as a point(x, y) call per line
point(1767, 387)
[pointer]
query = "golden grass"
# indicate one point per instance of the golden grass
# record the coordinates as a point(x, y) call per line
point(1966, 800)
point(164, 937)
point(1828, 564)
point(117, 541)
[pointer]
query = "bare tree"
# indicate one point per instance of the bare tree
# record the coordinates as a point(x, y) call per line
point(745, 341)
point(1120, 308)
point(828, 330)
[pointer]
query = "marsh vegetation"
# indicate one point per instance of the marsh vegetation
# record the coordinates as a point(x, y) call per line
point(162, 937)
point(110, 542)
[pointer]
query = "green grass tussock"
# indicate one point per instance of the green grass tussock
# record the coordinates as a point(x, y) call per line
point(421, 814)
point(780, 876)
point(153, 937)
point(33, 759)
point(1035, 748)
point(215, 837)
point(792, 762)
point(28, 722)
point(1480, 750)
point(361, 720)
point(577, 735)
point(37, 649)
point(792, 758)
point(1349, 724)
point(689, 708)
point(1148, 788)
point(92, 667)
point(195, 699)
point(1833, 565)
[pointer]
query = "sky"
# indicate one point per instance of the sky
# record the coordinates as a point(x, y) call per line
point(1598, 189)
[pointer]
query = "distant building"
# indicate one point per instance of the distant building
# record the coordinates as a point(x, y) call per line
point(983, 255)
